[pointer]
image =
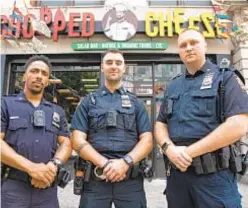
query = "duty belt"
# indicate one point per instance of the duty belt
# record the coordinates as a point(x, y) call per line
point(18, 175)
point(224, 158)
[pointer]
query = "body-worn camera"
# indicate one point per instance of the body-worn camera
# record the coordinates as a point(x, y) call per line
point(111, 118)
point(39, 118)
point(225, 63)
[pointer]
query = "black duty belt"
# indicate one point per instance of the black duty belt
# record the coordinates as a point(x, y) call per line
point(19, 176)
point(184, 141)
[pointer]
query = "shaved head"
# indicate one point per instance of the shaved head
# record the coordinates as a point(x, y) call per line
point(192, 49)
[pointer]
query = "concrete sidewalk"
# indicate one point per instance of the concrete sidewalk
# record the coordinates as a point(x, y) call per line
point(154, 193)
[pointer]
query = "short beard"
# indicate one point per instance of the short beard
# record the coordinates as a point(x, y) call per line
point(35, 92)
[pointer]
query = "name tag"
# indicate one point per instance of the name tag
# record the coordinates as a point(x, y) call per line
point(14, 117)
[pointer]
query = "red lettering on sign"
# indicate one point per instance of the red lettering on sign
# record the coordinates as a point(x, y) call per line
point(27, 30)
point(72, 25)
point(46, 14)
point(88, 19)
point(4, 23)
point(14, 27)
point(59, 24)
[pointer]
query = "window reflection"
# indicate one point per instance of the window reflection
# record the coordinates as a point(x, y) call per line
point(138, 79)
point(163, 74)
point(66, 88)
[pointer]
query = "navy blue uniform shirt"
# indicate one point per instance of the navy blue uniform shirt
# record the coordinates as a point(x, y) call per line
point(37, 144)
point(90, 118)
point(195, 101)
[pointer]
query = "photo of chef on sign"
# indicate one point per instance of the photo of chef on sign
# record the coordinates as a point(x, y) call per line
point(120, 24)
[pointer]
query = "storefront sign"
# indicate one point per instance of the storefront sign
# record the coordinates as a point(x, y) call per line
point(84, 25)
point(81, 46)
point(163, 24)
point(59, 24)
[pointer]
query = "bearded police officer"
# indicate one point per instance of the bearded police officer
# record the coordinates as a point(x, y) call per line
point(201, 163)
point(111, 130)
point(31, 127)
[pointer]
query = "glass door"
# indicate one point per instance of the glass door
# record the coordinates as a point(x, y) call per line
point(148, 82)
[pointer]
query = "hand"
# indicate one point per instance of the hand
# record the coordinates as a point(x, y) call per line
point(53, 167)
point(45, 173)
point(103, 162)
point(116, 170)
point(178, 156)
point(39, 184)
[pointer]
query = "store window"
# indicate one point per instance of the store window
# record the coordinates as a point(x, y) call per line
point(55, 3)
point(138, 79)
point(88, 3)
point(70, 3)
point(198, 3)
point(163, 75)
point(180, 2)
point(66, 88)
point(163, 3)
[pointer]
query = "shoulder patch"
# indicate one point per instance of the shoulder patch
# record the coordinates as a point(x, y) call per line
point(239, 75)
point(236, 72)
point(241, 84)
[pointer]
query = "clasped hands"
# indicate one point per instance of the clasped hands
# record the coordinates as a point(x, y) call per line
point(179, 157)
point(42, 175)
point(115, 170)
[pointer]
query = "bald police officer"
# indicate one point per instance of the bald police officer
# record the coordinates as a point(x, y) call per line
point(31, 127)
point(111, 130)
point(192, 135)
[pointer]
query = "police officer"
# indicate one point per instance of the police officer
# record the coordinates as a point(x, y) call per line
point(111, 129)
point(31, 127)
point(188, 126)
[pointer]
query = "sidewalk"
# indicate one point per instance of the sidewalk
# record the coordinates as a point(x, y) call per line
point(154, 193)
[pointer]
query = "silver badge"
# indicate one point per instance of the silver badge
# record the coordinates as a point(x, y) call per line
point(207, 81)
point(125, 101)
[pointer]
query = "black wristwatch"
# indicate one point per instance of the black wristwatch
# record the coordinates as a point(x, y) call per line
point(165, 146)
point(57, 162)
point(128, 159)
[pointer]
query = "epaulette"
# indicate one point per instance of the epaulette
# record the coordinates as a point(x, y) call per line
point(178, 75)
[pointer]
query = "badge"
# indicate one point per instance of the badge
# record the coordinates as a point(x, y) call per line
point(56, 119)
point(207, 81)
point(125, 101)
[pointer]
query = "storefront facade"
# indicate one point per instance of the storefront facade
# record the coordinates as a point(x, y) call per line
point(80, 34)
